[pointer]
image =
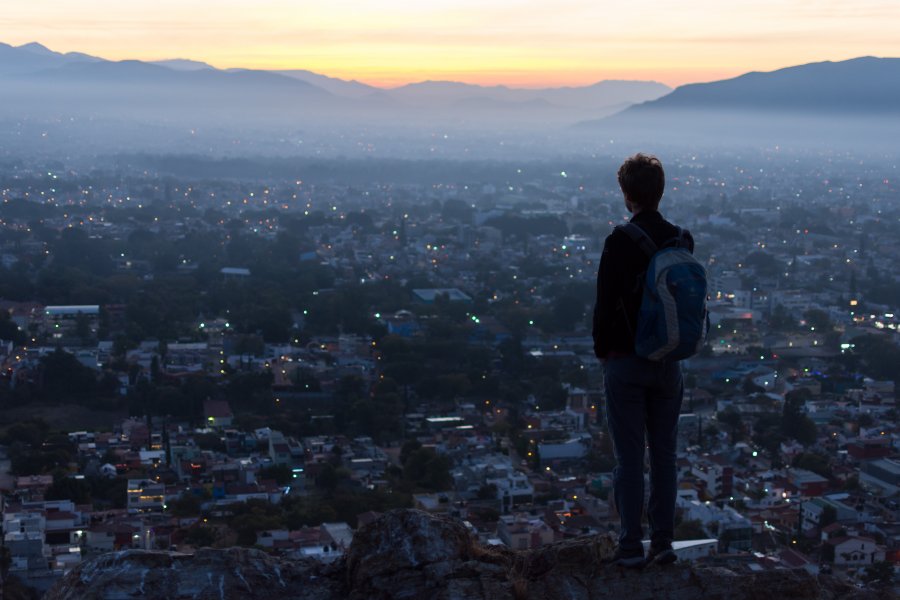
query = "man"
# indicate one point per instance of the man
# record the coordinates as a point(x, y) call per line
point(642, 395)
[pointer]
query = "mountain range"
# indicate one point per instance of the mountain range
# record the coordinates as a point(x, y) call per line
point(134, 102)
point(37, 73)
point(856, 100)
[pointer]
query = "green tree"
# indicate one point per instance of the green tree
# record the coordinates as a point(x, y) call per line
point(813, 462)
point(568, 312)
point(690, 530)
point(200, 536)
point(65, 377)
point(186, 505)
point(818, 318)
point(731, 418)
point(428, 470)
point(795, 423)
point(881, 573)
point(9, 330)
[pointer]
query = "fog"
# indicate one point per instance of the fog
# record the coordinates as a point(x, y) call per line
point(77, 107)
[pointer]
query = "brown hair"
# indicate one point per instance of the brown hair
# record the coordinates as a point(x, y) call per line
point(642, 180)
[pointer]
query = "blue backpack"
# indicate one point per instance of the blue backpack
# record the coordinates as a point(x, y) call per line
point(673, 321)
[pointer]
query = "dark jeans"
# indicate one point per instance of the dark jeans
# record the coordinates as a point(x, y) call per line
point(644, 396)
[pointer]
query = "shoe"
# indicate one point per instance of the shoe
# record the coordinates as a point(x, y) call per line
point(661, 555)
point(630, 559)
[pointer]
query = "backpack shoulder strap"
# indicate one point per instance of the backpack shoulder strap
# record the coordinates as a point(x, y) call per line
point(680, 240)
point(639, 237)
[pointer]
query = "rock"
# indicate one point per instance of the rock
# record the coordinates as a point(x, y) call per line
point(411, 555)
point(235, 573)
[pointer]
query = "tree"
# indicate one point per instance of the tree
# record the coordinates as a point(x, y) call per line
point(690, 530)
point(731, 418)
point(282, 474)
point(65, 376)
point(780, 319)
point(879, 355)
point(9, 330)
point(813, 462)
point(32, 433)
point(829, 516)
point(568, 311)
point(487, 492)
point(818, 318)
point(881, 572)
point(186, 505)
point(427, 469)
point(795, 424)
point(67, 488)
point(200, 536)
point(768, 433)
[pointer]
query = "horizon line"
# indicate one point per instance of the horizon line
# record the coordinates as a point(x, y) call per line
point(472, 78)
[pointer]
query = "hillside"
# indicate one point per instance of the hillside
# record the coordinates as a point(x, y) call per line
point(411, 554)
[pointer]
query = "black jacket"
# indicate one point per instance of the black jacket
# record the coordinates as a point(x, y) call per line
point(619, 283)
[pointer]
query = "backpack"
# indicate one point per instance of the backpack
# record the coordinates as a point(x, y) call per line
point(672, 321)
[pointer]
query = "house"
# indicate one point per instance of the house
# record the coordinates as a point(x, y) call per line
point(521, 532)
point(145, 495)
point(279, 449)
point(807, 482)
point(430, 295)
point(852, 551)
point(817, 510)
point(217, 413)
point(881, 475)
point(716, 475)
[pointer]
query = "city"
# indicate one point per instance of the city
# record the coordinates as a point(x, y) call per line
point(273, 361)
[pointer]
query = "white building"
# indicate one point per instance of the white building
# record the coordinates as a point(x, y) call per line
point(145, 495)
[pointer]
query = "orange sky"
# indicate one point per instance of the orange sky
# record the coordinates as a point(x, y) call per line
point(513, 42)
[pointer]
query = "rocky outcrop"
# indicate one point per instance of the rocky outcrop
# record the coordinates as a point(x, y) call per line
point(409, 554)
point(207, 574)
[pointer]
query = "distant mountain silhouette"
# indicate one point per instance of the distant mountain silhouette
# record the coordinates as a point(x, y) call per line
point(182, 64)
point(338, 87)
point(40, 80)
point(33, 56)
point(602, 96)
point(826, 102)
point(860, 84)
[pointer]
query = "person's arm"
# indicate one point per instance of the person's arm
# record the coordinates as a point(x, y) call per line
point(607, 297)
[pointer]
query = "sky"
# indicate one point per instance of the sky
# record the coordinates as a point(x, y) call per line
point(520, 43)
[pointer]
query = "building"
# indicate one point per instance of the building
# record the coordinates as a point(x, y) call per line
point(881, 476)
point(852, 551)
point(716, 476)
point(733, 529)
point(571, 449)
point(430, 295)
point(807, 482)
point(145, 496)
point(71, 322)
point(521, 532)
point(689, 550)
point(217, 413)
point(820, 512)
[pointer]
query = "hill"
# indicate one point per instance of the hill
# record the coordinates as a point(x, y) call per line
point(858, 98)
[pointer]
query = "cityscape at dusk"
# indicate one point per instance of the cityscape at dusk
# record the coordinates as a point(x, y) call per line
point(430, 300)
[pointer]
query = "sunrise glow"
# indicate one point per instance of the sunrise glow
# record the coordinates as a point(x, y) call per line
point(511, 42)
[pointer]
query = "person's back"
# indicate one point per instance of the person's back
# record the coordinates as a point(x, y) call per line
point(641, 395)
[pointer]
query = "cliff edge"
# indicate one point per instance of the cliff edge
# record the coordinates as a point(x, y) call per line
point(410, 554)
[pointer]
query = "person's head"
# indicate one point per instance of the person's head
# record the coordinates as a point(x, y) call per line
point(642, 180)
